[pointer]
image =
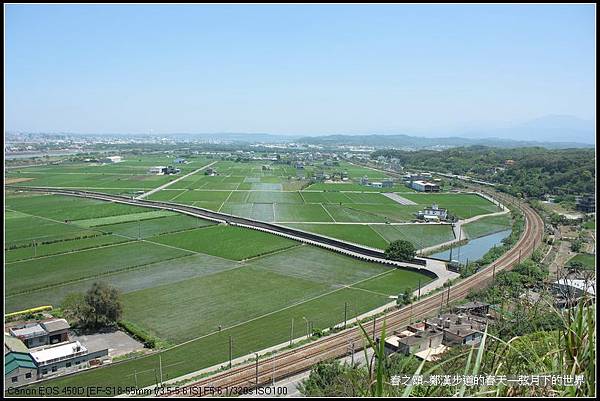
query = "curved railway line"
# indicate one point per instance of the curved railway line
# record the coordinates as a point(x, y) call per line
point(336, 345)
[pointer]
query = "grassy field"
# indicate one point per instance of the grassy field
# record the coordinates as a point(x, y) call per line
point(587, 259)
point(226, 241)
point(247, 337)
point(463, 206)
point(185, 277)
point(55, 270)
point(37, 251)
point(487, 225)
point(358, 234)
point(129, 174)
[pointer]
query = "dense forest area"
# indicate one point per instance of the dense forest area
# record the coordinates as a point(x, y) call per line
point(533, 172)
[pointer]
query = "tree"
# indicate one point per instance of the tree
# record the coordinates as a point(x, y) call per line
point(75, 309)
point(105, 305)
point(405, 298)
point(400, 250)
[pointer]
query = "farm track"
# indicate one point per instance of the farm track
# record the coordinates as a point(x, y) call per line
point(337, 345)
point(349, 249)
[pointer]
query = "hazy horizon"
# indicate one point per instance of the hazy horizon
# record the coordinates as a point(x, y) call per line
point(429, 70)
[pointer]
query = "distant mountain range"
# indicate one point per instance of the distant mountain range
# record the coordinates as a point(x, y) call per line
point(554, 131)
point(415, 142)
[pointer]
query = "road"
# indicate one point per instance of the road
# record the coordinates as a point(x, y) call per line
point(426, 266)
point(301, 359)
point(168, 184)
point(298, 360)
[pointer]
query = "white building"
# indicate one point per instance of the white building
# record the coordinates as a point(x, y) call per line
point(425, 186)
point(433, 213)
point(159, 170)
point(574, 287)
point(65, 358)
point(112, 159)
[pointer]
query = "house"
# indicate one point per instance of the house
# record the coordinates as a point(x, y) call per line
point(475, 307)
point(387, 184)
point(156, 170)
point(424, 186)
point(377, 184)
point(210, 172)
point(364, 180)
point(433, 213)
point(171, 170)
point(180, 160)
point(458, 329)
point(57, 329)
point(19, 366)
point(34, 335)
point(419, 341)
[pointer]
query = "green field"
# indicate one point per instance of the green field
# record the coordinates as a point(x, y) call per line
point(226, 241)
point(181, 277)
point(587, 259)
point(487, 225)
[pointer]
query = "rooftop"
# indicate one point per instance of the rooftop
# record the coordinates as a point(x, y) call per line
point(59, 352)
point(33, 330)
point(13, 344)
point(583, 285)
point(55, 325)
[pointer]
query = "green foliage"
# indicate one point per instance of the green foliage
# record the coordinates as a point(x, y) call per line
point(535, 172)
point(577, 245)
point(104, 306)
point(405, 298)
point(149, 340)
point(400, 250)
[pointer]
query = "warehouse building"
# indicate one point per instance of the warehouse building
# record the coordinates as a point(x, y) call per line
point(425, 186)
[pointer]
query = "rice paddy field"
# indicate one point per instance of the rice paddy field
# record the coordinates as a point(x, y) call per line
point(183, 278)
point(194, 283)
point(487, 225)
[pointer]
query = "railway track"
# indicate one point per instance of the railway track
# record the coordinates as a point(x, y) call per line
point(337, 345)
point(349, 249)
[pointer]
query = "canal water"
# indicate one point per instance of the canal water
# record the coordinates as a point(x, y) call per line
point(475, 248)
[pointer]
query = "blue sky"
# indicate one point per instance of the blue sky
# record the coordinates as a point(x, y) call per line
point(295, 69)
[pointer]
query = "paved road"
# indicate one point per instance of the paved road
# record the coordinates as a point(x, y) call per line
point(168, 184)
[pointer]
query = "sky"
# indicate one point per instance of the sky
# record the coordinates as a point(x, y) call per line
point(295, 69)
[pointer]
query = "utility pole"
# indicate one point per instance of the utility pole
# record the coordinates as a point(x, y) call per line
point(419, 296)
point(448, 297)
point(345, 313)
point(459, 238)
point(256, 374)
point(519, 256)
point(230, 350)
point(374, 320)
point(160, 368)
point(306, 326)
point(292, 333)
